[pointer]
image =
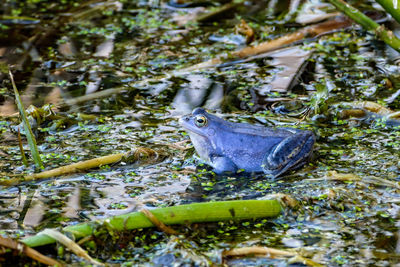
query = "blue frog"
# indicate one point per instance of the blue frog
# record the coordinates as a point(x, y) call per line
point(229, 146)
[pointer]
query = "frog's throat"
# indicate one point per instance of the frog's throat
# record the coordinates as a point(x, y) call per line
point(201, 144)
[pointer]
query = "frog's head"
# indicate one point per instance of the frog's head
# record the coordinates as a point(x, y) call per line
point(200, 122)
point(203, 129)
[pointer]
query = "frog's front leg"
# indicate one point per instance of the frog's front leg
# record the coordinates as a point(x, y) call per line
point(291, 152)
point(222, 164)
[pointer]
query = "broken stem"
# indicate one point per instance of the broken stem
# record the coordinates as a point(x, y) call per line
point(379, 30)
point(217, 211)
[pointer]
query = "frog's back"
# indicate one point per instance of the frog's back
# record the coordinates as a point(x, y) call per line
point(258, 130)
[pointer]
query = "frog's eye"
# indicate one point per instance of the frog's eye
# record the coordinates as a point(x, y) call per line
point(200, 121)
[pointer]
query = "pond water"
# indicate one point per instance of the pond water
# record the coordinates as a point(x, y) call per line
point(59, 53)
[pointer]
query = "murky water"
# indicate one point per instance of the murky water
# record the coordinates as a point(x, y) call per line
point(109, 45)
